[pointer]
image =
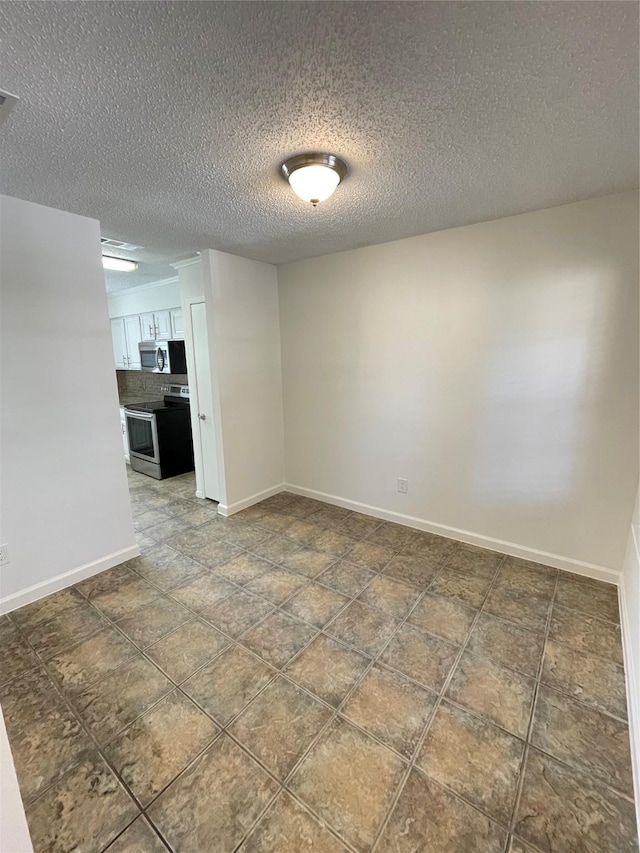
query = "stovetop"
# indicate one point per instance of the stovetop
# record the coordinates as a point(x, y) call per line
point(178, 396)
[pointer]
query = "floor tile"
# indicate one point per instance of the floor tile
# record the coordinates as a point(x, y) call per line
point(277, 585)
point(43, 752)
point(227, 684)
point(329, 516)
point(203, 591)
point(590, 679)
point(148, 519)
point(246, 535)
point(534, 580)
point(301, 507)
point(475, 759)
point(308, 562)
point(507, 644)
point(464, 588)
point(51, 637)
point(187, 649)
point(443, 617)
point(110, 704)
point(349, 780)
point(429, 818)
point(237, 613)
point(368, 555)
point(215, 553)
point(390, 707)
point(278, 503)
point(279, 726)
point(316, 604)
point(46, 609)
point(84, 811)
point(166, 568)
point(328, 669)
point(25, 698)
point(502, 695)
point(171, 526)
point(363, 627)
point(421, 656)
point(597, 600)
point(106, 581)
point(275, 548)
point(244, 568)
point(586, 634)
point(16, 656)
point(359, 526)
point(151, 623)
point(125, 598)
point(346, 578)
point(193, 539)
point(523, 608)
point(475, 561)
point(79, 666)
point(157, 746)
point(138, 838)
point(288, 828)
point(302, 531)
point(334, 543)
point(224, 775)
point(393, 536)
point(391, 595)
point(518, 846)
point(419, 571)
point(276, 522)
point(278, 638)
point(435, 548)
point(584, 738)
point(564, 810)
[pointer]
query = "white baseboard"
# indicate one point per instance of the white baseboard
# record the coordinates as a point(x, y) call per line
point(631, 673)
point(568, 564)
point(230, 509)
point(40, 590)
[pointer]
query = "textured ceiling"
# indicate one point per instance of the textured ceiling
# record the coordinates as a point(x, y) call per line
point(168, 121)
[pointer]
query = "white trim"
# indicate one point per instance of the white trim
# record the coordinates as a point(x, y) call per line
point(40, 590)
point(555, 560)
point(188, 262)
point(251, 500)
point(630, 667)
point(136, 288)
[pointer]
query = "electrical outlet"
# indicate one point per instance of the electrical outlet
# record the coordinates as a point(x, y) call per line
point(4, 555)
point(403, 485)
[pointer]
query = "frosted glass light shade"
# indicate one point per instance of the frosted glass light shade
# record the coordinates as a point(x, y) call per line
point(118, 264)
point(313, 177)
point(314, 183)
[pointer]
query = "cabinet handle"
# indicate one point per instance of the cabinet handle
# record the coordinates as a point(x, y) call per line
point(150, 331)
point(124, 360)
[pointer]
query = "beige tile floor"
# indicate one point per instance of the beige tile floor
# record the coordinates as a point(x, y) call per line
point(304, 678)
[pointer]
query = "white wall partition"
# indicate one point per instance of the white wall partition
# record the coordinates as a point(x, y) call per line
point(64, 504)
point(244, 340)
point(630, 611)
point(494, 366)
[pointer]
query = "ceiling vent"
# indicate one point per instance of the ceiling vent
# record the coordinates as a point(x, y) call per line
point(107, 243)
point(6, 104)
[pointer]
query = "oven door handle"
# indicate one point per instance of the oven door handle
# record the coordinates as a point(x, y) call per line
point(142, 415)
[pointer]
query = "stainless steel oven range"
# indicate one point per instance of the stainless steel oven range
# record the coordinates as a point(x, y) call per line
point(160, 438)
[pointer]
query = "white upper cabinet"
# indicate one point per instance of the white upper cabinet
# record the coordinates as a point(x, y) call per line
point(119, 343)
point(156, 326)
point(133, 337)
point(177, 324)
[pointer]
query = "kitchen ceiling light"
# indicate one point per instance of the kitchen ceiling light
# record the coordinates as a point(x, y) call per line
point(314, 177)
point(118, 264)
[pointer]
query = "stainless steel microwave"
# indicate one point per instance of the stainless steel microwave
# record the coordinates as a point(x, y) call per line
point(163, 356)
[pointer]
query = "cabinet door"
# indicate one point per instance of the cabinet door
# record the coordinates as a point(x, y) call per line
point(148, 327)
point(177, 324)
point(119, 343)
point(163, 325)
point(132, 334)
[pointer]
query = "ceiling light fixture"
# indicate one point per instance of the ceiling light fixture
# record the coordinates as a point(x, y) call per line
point(118, 264)
point(314, 177)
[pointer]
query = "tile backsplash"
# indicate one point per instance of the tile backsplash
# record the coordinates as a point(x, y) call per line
point(138, 386)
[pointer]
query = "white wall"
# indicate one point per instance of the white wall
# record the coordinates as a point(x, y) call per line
point(494, 366)
point(630, 606)
point(64, 504)
point(140, 300)
point(244, 337)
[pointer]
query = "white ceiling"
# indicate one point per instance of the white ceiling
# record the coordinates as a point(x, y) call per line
point(168, 121)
